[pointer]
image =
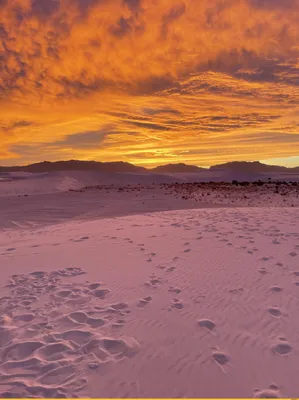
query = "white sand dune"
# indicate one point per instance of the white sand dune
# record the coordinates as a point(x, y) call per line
point(190, 303)
point(14, 183)
point(21, 183)
point(113, 200)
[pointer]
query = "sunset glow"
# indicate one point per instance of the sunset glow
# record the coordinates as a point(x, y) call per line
point(149, 81)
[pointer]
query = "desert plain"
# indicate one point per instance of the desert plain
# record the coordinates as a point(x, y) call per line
point(123, 285)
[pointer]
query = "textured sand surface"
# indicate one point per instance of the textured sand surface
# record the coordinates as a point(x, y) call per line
point(190, 303)
point(45, 199)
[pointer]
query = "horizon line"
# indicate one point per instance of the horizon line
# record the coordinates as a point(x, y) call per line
point(264, 162)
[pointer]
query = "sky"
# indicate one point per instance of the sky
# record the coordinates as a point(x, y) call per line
point(149, 81)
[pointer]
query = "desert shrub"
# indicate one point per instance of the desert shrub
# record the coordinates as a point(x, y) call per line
point(245, 183)
point(260, 183)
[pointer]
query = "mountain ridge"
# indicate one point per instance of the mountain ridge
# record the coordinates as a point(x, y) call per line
point(177, 168)
point(253, 167)
point(125, 167)
point(76, 165)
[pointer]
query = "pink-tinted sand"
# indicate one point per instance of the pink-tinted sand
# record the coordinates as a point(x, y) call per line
point(198, 302)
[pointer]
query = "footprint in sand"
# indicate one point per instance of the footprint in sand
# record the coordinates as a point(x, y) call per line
point(119, 306)
point(275, 241)
point(177, 304)
point(20, 351)
point(116, 348)
point(69, 272)
point(293, 254)
point(263, 271)
point(221, 358)
point(64, 294)
point(100, 293)
point(274, 311)
point(279, 264)
point(265, 258)
point(271, 393)
point(236, 291)
point(143, 302)
point(187, 250)
point(281, 347)
point(95, 285)
point(25, 318)
point(170, 269)
point(207, 324)
point(154, 282)
point(81, 317)
point(11, 249)
point(119, 323)
point(58, 376)
point(275, 289)
point(174, 290)
point(80, 240)
point(56, 351)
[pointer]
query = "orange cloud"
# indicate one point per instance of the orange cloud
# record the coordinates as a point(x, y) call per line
point(184, 80)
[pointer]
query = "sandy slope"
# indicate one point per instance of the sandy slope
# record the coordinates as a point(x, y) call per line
point(21, 183)
point(119, 200)
point(14, 184)
point(44, 209)
point(181, 303)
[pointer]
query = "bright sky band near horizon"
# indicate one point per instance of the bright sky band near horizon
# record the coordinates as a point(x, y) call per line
point(149, 81)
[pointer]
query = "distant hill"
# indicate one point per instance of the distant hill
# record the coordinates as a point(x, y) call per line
point(74, 165)
point(252, 167)
point(240, 167)
point(177, 168)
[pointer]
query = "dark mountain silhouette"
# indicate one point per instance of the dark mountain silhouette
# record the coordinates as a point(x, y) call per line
point(175, 168)
point(122, 167)
point(75, 165)
point(252, 167)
